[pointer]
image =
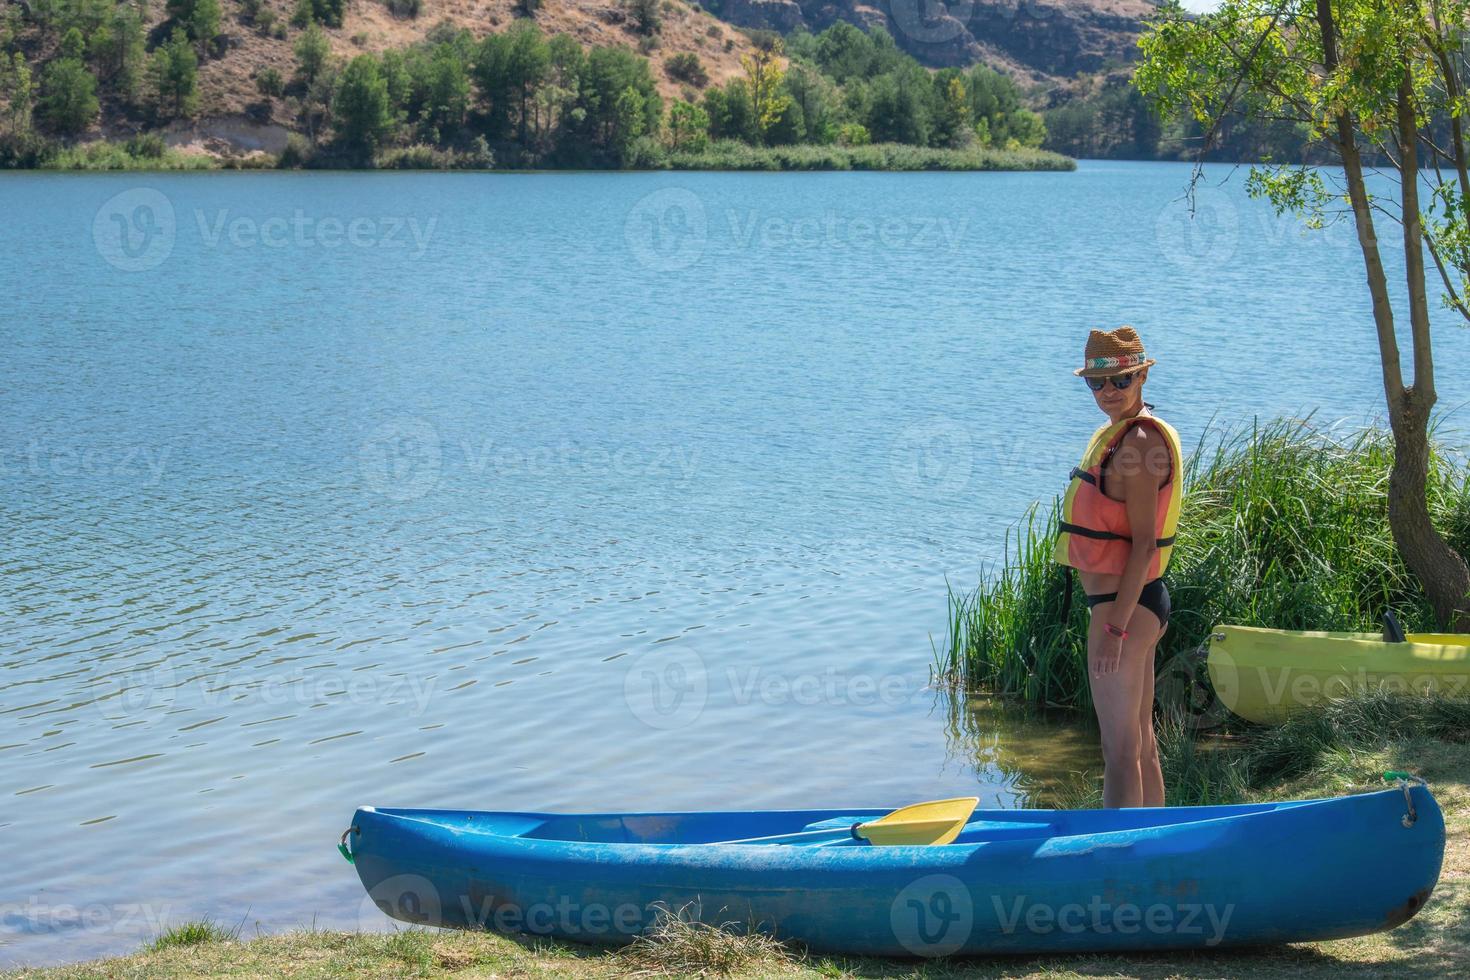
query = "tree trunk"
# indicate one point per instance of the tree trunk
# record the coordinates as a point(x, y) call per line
point(1442, 573)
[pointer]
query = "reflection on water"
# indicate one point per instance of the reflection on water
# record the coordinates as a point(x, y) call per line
point(1044, 755)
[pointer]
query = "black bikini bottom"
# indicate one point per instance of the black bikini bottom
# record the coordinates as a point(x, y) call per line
point(1154, 598)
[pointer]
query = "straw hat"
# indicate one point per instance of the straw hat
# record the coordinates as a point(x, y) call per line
point(1113, 352)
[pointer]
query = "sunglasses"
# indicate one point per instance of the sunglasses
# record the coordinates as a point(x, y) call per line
point(1120, 381)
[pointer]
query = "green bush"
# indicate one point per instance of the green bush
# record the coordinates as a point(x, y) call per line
point(297, 153)
point(146, 146)
point(1283, 525)
point(686, 67)
point(270, 83)
point(326, 12)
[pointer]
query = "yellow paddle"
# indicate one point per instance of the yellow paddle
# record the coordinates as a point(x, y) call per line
point(935, 822)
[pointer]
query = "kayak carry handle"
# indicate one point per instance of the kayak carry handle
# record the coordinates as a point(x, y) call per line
point(342, 847)
point(1405, 780)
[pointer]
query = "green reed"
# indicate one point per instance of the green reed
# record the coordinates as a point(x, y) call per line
point(1283, 525)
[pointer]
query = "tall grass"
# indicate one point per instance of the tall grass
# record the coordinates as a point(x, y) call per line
point(136, 154)
point(1321, 745)
point(735, 155)
point(195, 933)
point(1283, 525)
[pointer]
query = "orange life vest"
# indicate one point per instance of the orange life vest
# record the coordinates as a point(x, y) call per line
point(1095, 536)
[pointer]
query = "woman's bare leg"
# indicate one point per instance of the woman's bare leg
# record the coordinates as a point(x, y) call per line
point(1116, 698)
point(1151, 775)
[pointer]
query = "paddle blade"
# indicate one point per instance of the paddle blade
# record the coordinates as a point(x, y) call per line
point(936, 822)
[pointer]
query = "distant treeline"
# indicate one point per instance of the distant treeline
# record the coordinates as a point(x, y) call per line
point(515, 98)
point(1116, 122)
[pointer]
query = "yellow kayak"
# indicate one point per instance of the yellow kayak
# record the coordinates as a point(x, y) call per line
point(1263, 675)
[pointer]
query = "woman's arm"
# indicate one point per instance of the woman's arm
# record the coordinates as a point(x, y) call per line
point(1142, 462)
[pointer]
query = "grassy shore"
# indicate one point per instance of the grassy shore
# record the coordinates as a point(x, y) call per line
point(144, 154)
point(1339, 750)
point(1284, 525)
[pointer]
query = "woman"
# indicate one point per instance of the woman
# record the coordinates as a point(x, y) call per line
point(1128, 480)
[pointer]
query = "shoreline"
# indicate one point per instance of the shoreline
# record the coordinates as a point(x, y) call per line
point(105, 156)
point(1437, 937)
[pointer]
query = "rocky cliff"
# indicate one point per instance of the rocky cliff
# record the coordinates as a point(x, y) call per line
point(1039, 40)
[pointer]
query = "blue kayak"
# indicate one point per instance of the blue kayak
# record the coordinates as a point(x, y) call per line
point(1015, 881)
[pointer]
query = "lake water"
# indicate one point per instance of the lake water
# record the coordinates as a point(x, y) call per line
point(602, 491)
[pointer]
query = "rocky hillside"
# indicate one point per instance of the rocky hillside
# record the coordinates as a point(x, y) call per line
point(1033, 40)
point(232, 115)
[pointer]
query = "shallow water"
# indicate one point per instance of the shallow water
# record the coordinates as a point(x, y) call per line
point(632, 491)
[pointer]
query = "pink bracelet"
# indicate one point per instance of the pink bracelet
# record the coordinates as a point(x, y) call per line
point(1120, 633)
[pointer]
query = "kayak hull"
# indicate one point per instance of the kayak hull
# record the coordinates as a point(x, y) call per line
point(1266, 675)
point(1016, 881)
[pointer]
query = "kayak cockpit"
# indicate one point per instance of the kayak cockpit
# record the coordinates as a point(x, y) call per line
point(748, 827)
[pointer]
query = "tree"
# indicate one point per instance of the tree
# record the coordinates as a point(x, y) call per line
point(952, 120)
point(175, 74)
point(611, 117)
point(68, 96)
point(117, 48)
point(787, 128)
point(328, 12)
point(72, 45)
point(18, 90)
point(765, 78)
point(1360, 75)
point(312, 50)
point(646, 18)
point(688, 128)
point(508, 69)
point(813, 94)
point(556, 98)
point(730, 114)
point(200, 18)
point(361, 109)
point(899, 111)
point(630, 119)
point(1026, 128)
point(447, 98)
